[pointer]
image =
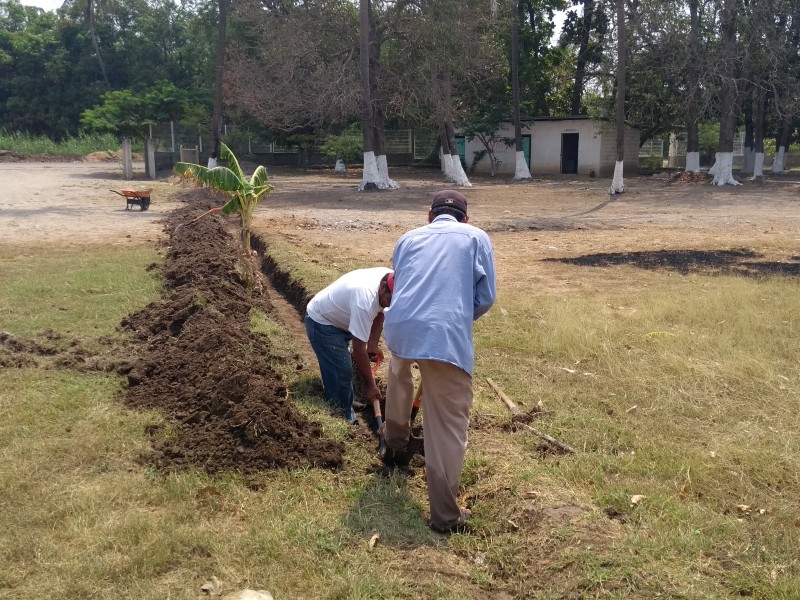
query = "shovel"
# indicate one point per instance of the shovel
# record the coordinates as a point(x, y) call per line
point(376, 408)
point(417, 403)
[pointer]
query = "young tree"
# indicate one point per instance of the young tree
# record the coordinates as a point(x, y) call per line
point(243, 193)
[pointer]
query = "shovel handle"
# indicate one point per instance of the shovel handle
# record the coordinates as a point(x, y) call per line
point(506, 400)
point(376, 408)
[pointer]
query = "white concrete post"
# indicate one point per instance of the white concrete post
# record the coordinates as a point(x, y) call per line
point(150, 158)
point(127, 159)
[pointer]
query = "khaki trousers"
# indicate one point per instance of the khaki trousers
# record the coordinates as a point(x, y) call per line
point(446, 402)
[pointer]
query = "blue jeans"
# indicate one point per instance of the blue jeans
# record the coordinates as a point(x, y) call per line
point(332, 347)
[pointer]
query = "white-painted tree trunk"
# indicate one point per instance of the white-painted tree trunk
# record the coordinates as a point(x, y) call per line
point(617, 183)
point(387, 183)
point(693, 162)
point(212, 162)
point(458, 173)
point(779, 161)
point(371, 176)
point(723, 175)
point(376, 173)
point(340, 166)
point(447, 166)
point(758, 166)
point(521, 171)
point(715, 167)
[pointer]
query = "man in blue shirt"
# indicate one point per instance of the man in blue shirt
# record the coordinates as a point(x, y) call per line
point(444, 279)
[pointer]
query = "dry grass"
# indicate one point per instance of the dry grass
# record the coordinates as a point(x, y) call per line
point(681, 389)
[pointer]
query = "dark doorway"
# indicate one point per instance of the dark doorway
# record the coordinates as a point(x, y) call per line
point(569, 153)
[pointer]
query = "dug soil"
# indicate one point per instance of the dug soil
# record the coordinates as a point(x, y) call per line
point(202, 366)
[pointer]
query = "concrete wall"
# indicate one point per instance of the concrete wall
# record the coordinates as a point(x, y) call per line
point(596, 148)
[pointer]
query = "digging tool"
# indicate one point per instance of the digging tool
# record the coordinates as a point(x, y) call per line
point(376, 408)
point(516, 411)
point(417, 403)
point(216, 209)
point(506, 400)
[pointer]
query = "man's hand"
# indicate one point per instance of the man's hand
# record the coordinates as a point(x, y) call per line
point(376, 356)
point(372, 392)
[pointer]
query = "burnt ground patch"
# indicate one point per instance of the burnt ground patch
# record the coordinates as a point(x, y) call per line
point(741, 262)
point(200, 364)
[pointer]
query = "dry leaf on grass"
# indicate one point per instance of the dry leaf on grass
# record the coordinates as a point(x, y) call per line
point(212, 587)
point(374, 540)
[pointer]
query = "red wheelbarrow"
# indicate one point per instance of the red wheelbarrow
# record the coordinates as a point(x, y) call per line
point(141, 197)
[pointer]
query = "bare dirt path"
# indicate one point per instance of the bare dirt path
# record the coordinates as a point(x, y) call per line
point(70, 204)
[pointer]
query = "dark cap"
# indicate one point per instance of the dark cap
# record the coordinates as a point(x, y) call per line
point(451, 199)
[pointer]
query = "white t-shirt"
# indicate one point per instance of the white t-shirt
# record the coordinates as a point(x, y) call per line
point(350, 303)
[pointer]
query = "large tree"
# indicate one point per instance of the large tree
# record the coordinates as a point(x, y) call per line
point(728, 69)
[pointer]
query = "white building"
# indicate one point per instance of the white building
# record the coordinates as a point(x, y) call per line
point(558, 145)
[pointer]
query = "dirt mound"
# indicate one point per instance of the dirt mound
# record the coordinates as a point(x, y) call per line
point(103, 156)
point(106, 156)
point(203, 367)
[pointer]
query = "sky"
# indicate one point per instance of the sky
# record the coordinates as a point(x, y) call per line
point(45, 4)
point(54, 4)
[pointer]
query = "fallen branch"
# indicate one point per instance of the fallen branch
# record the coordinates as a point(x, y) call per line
point(516, 411)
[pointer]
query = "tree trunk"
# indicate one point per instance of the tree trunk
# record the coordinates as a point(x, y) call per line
point(89, 16)
point(692, 134)
point(378, 113)
point(781, 144)
point(521, 170)
point(580, 63)
point(759, 109)
point(459, 176)
point(617, 183)
point(723, 167)
point(748, 159)
point(371, 174)
point(219, 74)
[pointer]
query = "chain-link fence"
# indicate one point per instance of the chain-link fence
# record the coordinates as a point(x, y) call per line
point(172, 136)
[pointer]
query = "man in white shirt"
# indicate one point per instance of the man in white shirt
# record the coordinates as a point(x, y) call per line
point(351, 308)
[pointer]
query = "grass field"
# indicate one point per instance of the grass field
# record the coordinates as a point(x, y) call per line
point(680, 395)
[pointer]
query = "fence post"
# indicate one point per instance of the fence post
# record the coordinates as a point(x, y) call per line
point(172, 134)
point(127, 159)
point(150, 158)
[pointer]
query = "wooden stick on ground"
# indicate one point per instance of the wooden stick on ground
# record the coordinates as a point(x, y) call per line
point(516, 411)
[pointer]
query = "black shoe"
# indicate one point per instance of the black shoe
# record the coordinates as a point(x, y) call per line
point(460, 526)
point(396, 458)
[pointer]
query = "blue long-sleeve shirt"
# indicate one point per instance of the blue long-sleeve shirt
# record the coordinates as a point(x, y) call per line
point(444, 279)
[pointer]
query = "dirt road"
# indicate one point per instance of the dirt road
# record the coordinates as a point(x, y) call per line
point(70, 203)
